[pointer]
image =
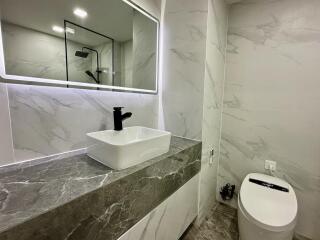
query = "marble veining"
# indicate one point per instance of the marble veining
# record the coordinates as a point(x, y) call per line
point(96, 202)
point(171, 218)
point(220, 224)
point(271, 99)
point(54, 117)
point(183, 66)
point(212, 101)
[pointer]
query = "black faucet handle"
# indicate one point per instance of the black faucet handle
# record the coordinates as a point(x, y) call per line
point(117, 108)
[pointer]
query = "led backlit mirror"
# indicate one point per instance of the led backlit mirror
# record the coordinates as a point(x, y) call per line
point(100, 44)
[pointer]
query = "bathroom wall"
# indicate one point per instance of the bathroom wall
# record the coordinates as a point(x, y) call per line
point(184, 49)
point(212, 101)
point(271, 103)
point(50, 120)
point(57, 119)
point(193, 74)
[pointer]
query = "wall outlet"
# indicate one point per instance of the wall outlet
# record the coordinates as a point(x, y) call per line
point(270, 165)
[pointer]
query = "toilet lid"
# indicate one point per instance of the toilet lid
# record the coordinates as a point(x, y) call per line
point(269, 201)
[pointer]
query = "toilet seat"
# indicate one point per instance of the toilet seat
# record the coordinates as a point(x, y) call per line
point(266, 207)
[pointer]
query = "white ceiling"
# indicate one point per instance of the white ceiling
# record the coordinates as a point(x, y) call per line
point(109, 17)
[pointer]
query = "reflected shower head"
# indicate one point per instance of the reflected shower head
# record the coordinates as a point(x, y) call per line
point(82, 54)
point(90, 74)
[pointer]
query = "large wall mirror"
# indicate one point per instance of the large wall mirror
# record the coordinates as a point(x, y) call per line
point(100, 44)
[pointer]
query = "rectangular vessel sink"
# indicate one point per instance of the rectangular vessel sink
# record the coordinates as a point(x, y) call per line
point(126, 148)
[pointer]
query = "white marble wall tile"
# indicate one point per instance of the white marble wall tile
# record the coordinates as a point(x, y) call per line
point(47, 120)
point(194, 61)
point(213, 90)
point(271, 99)
point(6, 148)
point(185, 24)
point(170, 219)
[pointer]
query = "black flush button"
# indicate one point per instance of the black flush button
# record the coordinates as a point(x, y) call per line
point(268, 185)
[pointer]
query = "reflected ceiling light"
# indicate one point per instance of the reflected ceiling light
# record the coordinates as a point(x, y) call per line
point(57, 29)
point(80, 12)
point(70, 30)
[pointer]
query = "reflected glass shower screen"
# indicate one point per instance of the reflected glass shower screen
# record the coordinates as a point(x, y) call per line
point(89, 55)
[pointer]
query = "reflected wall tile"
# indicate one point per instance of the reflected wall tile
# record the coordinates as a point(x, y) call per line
point(144, 55)
point(43, 62)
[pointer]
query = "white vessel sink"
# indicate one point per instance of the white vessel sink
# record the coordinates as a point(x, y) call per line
point(126, 148)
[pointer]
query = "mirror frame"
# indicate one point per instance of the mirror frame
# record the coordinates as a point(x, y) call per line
point(16, 79)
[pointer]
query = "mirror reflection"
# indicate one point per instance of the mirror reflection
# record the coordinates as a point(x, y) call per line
point(103, 42)
point(89, 55)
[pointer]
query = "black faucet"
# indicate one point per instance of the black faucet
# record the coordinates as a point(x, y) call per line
point(118, 117)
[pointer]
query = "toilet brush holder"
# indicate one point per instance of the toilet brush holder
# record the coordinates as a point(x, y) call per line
point(227, 192)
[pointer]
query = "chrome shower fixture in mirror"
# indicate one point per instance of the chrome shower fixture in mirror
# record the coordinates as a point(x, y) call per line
point(97, 44)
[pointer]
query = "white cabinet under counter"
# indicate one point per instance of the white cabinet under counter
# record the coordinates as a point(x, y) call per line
point(170, 219)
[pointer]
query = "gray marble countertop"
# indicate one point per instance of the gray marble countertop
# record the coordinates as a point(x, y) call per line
point(29, 191)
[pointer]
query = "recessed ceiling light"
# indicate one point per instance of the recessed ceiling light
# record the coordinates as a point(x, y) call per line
point(57, 29)
point(80, 12)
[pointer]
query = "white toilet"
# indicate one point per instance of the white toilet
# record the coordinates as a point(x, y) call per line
point(267, 208)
